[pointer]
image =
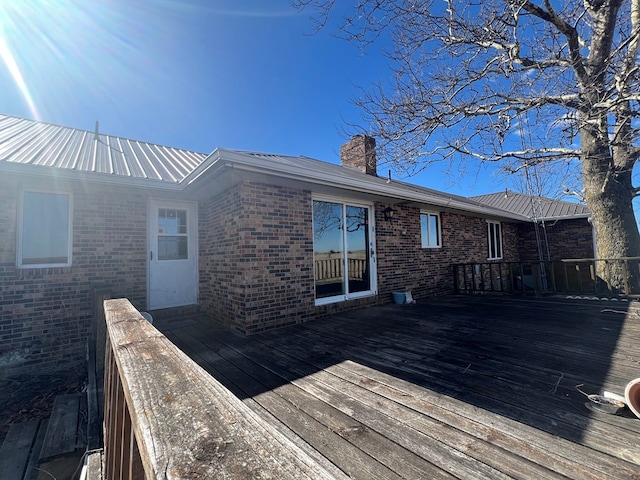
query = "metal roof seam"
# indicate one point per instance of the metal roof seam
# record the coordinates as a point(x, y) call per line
point(77, 161)
point(63, 139)
point(125, 164)
point(36, 145)
point(50, 148)
point(156, 168)
point(135, 157)
point(27, 141)
point(166, 161)
point(109, 153)
point(95, 143)
point(167, 164)
point(15, 139)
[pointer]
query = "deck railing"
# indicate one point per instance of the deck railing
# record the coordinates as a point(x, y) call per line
point(571, 277)
point(328, 270)
point(167, 418)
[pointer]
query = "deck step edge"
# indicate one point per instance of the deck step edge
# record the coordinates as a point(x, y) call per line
point(61, 435)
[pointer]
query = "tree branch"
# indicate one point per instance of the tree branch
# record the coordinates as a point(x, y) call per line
point(629, 71)
point(532, 155)
point(570, 33)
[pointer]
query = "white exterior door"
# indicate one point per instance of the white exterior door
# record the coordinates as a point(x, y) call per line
point(173, 254)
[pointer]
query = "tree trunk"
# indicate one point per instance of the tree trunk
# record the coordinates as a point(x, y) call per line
point(609, 194)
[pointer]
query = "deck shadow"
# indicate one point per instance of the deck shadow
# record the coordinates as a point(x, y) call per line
point(517, 358)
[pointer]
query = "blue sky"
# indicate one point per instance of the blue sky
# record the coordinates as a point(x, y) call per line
point(248, 75)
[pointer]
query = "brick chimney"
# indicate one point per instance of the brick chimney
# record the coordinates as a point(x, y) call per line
point(360, 153)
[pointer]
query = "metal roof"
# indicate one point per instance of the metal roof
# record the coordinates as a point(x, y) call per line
point(34, 143)
point(346, 178)
point(541, 208)
point(27, 147)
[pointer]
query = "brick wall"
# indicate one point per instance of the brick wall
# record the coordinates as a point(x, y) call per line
point(565, 239)
point(256, 264)
point(220, 276)
point(46, 314)
point(256, 256)
point(404, 265)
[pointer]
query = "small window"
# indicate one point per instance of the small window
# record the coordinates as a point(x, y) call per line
point(430, 230)
point(44, 235)
point(172, 234)
point(494, 237)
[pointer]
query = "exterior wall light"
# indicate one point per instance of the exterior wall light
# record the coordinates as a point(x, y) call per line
point(389, 213)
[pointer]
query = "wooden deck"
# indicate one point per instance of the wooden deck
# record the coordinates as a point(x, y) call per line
point(456, 387)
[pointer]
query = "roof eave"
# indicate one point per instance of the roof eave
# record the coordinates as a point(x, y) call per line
point(244, 162)
point(565, 217)
point(38, 171)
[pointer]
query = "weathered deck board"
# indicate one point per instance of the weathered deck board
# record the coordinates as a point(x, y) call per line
point(94, 465)
point(16, 448)
point(464, 387)
point(293, 412)
point(520, 443)
point(61, 436)
point(403, 412)
point(548, 412)
point(186, 424)
point(510, 388)
point(428, 440)
point(31, 472)
point(453, 421)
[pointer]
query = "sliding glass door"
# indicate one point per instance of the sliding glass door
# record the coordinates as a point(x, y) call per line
point(344, 258)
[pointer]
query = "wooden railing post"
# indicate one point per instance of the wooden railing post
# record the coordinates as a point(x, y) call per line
point(167, 418)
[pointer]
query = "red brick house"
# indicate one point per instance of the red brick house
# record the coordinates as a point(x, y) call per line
point(564, 228)
point(258, 241)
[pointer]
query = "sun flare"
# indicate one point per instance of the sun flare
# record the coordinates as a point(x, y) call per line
point(9, 20)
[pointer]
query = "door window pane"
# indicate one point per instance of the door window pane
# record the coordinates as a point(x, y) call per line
point(358, 248)
point(172, 234)
point(328, 249)
point(172, 248)
point(172, 221)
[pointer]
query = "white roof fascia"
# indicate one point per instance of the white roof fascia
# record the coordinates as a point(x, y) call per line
point(68, 174)
point(221, 158)
point(564, 217)
point(211, 161)
point(248, 162)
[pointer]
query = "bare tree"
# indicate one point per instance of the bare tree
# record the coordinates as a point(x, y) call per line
point(558, 180)
point(511, 80)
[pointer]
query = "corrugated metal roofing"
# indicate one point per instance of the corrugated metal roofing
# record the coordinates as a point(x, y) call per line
point(31, 144)
point(36, 143)
point(538, 207)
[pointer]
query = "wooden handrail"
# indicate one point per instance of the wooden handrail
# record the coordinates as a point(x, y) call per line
point(167, 418)
point(565, 276)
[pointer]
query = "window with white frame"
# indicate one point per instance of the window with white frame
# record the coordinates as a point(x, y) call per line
point(430, 230)
point(44, 233)
point(344, 257)
point(494, 240)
